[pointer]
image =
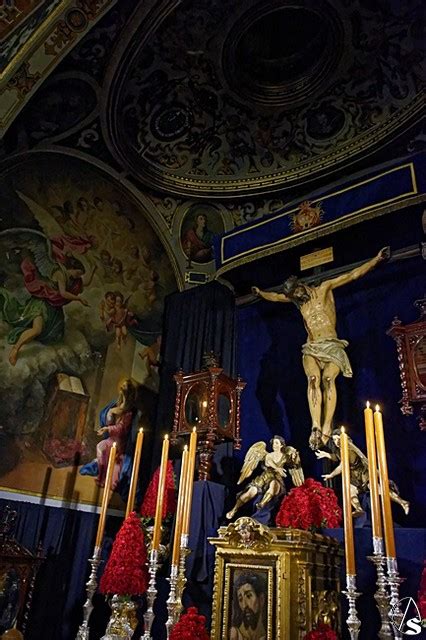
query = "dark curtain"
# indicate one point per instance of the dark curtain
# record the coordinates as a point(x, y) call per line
point(66, 539)
point(196, 321)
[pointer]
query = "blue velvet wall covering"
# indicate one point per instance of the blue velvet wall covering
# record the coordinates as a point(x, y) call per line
point(351, 200)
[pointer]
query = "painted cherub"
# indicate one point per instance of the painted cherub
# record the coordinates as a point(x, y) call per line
point(107, 306)
point(120, 318)
point(152, 355)
point(269, 485)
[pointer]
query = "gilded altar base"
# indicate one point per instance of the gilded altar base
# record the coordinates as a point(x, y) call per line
point(295, 572)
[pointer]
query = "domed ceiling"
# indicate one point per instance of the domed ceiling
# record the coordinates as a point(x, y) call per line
point(219, 99)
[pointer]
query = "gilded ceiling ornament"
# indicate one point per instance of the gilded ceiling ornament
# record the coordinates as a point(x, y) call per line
point(233, 114)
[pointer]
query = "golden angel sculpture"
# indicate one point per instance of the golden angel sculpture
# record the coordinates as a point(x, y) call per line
point(269, 485)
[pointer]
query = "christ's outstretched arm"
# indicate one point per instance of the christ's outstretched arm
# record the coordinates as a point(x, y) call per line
point(360, 271)
point(272, 296)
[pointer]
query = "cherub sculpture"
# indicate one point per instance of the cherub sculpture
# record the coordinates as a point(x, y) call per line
point(358, 463)
point(269, 485)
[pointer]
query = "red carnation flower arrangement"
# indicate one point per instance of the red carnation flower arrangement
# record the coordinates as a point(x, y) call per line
point(150, 499)
point(126, 572)
point(322, 632)
point(310, 507)
point(191, 626)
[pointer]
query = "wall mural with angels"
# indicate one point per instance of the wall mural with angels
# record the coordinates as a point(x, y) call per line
point(83, 277)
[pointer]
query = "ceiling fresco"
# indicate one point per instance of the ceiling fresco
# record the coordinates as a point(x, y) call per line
point(249, 121)
point(34, 38)
point(19, 21)
point(280, 92)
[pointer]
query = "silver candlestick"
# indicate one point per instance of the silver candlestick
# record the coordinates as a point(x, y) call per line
point(177, 584)
point(172, 601)
point(151, 593)
point(394, 581)
point(352, 621)
point(91, 586)
point(181, 582)
point(381, 596)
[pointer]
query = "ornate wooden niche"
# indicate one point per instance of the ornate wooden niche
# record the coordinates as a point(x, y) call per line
point(411, 348)
point(18, 570)
point(208, 400)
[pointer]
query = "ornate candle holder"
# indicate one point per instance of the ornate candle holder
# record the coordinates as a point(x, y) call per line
point(91, 586)
point(394, 581)
point(173, 607)
point(177, 585)
point(381, 596)
point(352, 621)
point(153, 565)
point(181, 583)
point(123, 621)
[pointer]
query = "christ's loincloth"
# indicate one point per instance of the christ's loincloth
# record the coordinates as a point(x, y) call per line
point(329, 350)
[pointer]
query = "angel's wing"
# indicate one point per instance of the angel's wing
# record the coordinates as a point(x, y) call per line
point(45, 219)
point(254, 455)
point(22, 241)
point(294, 466)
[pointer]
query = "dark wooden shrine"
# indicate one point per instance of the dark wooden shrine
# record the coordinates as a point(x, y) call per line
point(411, 348)
point(18, 570)
point(208, 401)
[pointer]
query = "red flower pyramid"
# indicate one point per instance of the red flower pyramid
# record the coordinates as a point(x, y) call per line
point(191, 626)
point(150, 499)
point(309, 506)
point(126, 573)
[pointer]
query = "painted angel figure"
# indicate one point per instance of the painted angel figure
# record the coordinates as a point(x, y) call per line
point(52, 280)
point(269, 485)
point(358, 463)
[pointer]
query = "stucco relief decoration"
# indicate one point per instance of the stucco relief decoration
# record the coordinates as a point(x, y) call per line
point(179, 120)
point(307, 216)
point(19, 19)
point(35, 37)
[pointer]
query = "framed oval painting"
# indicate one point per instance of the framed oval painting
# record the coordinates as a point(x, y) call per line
point(200, 224)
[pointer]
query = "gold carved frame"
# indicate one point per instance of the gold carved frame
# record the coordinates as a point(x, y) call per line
point(230, 570)
point(302, 572)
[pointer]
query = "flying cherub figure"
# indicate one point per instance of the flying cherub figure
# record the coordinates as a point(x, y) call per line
point(270, 483)
point(120, 318)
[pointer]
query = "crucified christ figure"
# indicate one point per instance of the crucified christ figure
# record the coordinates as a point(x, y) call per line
point(324, 355)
